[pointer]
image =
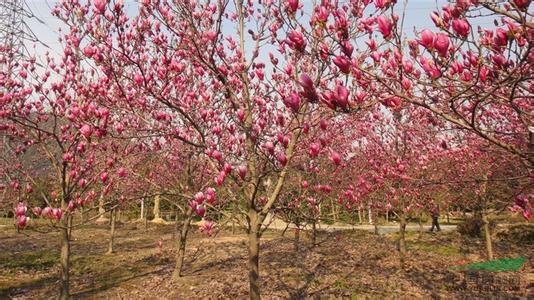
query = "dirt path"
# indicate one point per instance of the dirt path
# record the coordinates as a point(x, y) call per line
point(278, 224)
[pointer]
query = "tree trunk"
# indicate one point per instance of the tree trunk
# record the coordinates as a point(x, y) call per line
point(375, 221)
point(314, 232)
point(484, 217)
point(387, 216)
point(64, 262)
point(84, 214)
point(181, 244)
point(370, 216)
point(113, 216)
point(360, 216)
point(334, 212)
point(420, 221)
point(69, 225)
point(176, 226)
point(101, 210)
point(146, 222)
point(487, 235)
point(285, 229)
point(157, 203)
point(402, 239)
point(296, 239)
point(142, 216)
point(233, 227)
point(254, 236)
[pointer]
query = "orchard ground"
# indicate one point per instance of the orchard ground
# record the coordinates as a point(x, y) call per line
point(348, 263)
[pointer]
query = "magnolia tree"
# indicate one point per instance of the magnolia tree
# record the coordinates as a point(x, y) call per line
point(403, 145)
point(179, 175)
point(478, 78)
point(54, 129)
point(491, 180)
point(317, 168)
point(242, 82)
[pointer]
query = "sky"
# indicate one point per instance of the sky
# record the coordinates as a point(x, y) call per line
point(417, 16)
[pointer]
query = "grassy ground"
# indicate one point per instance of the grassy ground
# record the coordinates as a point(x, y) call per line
point(348, 264)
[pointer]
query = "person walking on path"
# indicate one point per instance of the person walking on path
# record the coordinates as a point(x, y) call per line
point(434, 211)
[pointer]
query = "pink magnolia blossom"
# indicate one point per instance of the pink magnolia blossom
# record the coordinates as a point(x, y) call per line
point(206, 227)
point(100, 6)
point(522, 4)
point(335, 157)
point(309, 90)
point(138, 79)
point(292, 101)
point(342, 96)
point(122, 172)
point(21, 209)
point(22, 221)
point(269, 146)
point(57, 213)
point(47, 212)
point(442, 43)
point(436, 18)
point(296, 40)
point(292, 6)
point(104, 177)
point(342, 63)
point(37, 211)
point(242, 170)
point(200, 210)
point(210, 195)
point(314, 149)
point(200, 197)
point(384, 26)
point(282, 158)
point(427, 39)
point(70, 206)
point(216, 155)
point(86, 130)
point(461, 27)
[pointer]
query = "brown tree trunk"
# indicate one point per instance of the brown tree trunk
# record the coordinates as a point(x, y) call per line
point(420, 221)
point(101, 210)
point(296, 240)
point(485, 220)
point(314, 232)
point(84, 214)
point(157, 204)
point(254, 236)
point(176, 226)
point(373, 217)
point(487, 235)
point(64, 263)
point(334, 212)
point(402, 238)
point(233, 227)
point(69, 225)
point(142, 214)
point(146, 219)
point(181, 244)
point(113, 216)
